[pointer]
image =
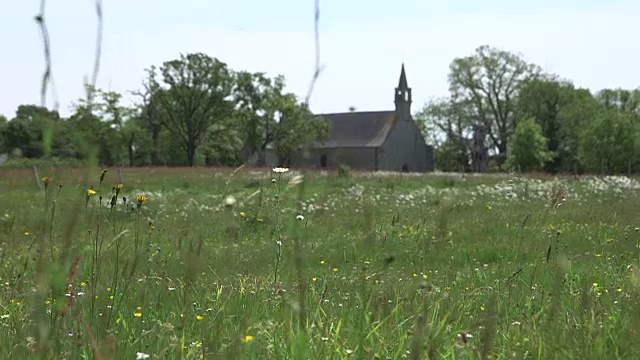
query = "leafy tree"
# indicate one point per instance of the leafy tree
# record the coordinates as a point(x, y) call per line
point(562, 111)
point(194, 93)
point(625, 100)
point(447, 127)
point(297, 128)
point(486, 84)
point(3, 123)
point(256, 100)
point(528, 150)
point(608, 143)
point(32, 128)
point(151, 111)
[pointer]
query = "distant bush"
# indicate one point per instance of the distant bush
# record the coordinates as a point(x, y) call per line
point(21, 163)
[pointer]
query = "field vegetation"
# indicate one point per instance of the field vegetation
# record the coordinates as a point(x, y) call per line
point(204, 263)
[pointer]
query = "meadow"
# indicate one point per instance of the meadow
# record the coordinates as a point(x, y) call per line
point(205, 263)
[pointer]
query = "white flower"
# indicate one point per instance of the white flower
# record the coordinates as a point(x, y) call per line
point(280, 170)
point(229, 201)
point(300, 217)
point(140, 356)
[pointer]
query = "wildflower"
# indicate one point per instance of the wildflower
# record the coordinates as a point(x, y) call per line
point(46, 181)
point(242, 214)
point(142, 199)
point(137, 313)
point(229, 201)
point(280, 170)
point(141, 356)
point(90, 192)
point(335, 269)
point(26, 233)
point(321, 262)
point(199, 317)
point(314, 279)
point(247, 339)
point(300, 217)
point(482, 308)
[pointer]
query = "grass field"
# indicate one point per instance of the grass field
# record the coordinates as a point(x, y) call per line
point(212, 264)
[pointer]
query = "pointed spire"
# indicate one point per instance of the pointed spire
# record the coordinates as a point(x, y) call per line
point(403, 79)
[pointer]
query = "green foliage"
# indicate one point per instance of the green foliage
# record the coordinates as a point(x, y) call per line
point(297, 129)
point(497, 88)
point(196, 110)
point(376, 267)
point(608, 144)
point(528, 149)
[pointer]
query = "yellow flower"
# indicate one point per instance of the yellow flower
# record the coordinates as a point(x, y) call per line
point(83, 284)
point(482, 308)
point(142, 198)
point(26, 233)
point(247, 339)
point(90, 192)
point(314, 279)
point(242, 214)
point(595, 284)
point(259, 219)
point(119, 186)
point(199, 317)
point(137, 313)
point(335, 269)
point(321, 262)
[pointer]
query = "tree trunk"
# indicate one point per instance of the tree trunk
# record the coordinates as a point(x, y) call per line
point(191, 153)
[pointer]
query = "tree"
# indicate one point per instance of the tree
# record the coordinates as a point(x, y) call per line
point(528, 150)
point(446, 126)
point(486, 84)
point(3, 123)
point(297, 128)
point(194, 93)
point(608, 143)
point(151, 112)
point(562, 111)
point(256, 100)
point(31, 130)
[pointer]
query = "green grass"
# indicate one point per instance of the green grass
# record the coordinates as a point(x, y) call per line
point(381, 267)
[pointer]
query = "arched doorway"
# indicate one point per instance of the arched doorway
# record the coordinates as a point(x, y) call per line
point(323, 160)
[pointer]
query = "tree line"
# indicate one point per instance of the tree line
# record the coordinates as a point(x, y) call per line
point(502, 113)
point(193, 110)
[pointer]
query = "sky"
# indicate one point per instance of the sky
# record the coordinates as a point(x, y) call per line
point(363, 44)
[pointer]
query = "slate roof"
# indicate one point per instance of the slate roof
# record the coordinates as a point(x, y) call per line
point(357, 129)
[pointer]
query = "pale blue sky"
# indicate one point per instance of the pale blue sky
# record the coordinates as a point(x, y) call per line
point(363, 43)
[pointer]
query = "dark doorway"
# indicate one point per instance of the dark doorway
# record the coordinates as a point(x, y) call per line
point(405, 168)
point(323, 160)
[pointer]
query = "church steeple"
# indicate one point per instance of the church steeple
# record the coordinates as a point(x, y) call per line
point(403, 97)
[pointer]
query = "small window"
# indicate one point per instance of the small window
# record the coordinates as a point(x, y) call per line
point(323, 160)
